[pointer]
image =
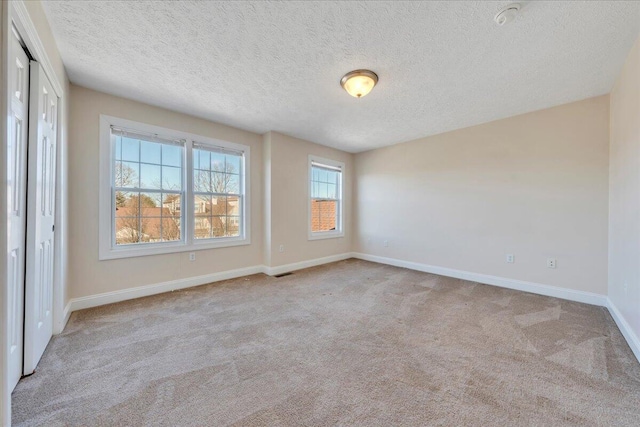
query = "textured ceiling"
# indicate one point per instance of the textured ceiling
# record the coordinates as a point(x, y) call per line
point(266, 66)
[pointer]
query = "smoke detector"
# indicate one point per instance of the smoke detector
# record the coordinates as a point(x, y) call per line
point(507, 14)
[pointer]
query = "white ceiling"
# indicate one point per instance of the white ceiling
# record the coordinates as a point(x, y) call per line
point(268, 65)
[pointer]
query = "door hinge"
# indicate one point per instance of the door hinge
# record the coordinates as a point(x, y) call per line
point(53, 228)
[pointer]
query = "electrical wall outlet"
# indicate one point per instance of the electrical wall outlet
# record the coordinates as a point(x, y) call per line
point(551, 263)
point(511, 258)
point(281, 248)
point(386, 243)
point(192, 256)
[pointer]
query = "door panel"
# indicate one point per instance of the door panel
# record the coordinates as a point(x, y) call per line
point(17, 202)
point(41, 209)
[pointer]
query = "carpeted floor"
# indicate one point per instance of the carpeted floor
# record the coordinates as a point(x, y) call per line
point(350, 343)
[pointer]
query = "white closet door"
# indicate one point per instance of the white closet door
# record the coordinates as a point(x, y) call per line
point(17, 203)
point(41, 213)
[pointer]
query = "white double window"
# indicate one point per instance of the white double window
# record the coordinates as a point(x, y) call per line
point(325, 198)
point(166, 191)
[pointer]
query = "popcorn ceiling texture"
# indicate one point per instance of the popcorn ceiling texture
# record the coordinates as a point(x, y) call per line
point(264, 66)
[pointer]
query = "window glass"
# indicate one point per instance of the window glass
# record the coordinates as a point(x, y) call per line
point(147, 195)
point(325, 198)
point(217, 183)
point(161, 203)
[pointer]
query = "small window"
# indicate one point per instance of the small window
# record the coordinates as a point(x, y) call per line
point(165, 191)
point(325, 201)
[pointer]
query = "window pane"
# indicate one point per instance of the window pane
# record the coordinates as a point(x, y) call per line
point(171, 178)
point(127, 230)
point(323, 190)
point(202, 181)
point(150, 204)
point(171, 205)
point(218, 182)
point(130, 149)
point(202, 205)
point(150, 152)
point(332, 177)
point(332, 191)
point(233, 226)
point(118, 140)
point(150, 176)
point(219, 205)
point(217, 162)
point(171, 155)
point(218, 227)
point(233, 183)
point(127, 174)
point(233, 206)
point(203, 159)
point(170, 229)
point(202, 227)
point(323, 215)
point(233, 164)
point(171, 210)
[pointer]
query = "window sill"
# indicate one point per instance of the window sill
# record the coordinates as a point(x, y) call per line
point(170, 248)
point(326, 235)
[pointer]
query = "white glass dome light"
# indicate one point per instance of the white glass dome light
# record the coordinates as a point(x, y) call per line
point(359, 83)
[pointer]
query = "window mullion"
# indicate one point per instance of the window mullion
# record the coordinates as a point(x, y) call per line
point(189, 198)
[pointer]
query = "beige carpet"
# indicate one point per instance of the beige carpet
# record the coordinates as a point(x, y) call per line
point(351, 343)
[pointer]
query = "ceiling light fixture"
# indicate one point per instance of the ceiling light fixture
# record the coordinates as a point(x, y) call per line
point(507, 14)
point(358, 83)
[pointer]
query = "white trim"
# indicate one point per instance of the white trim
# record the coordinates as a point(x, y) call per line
point(536, 288)
point(340, 229)
point(65, 317)
point(625, 328)
point(280, 269)
point(105, 219)
point(158, 288)
point(503, 282)
point(31, 38)
point(5, 109)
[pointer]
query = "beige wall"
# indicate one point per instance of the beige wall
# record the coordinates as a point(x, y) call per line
point(533, 185)
point(289, 202)
point(624, 192)
point(87, 275)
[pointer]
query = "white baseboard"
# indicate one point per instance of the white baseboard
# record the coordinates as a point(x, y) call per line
point(520, 285)
point(281, 269)
point(158, 288)
point(153, 289)
point(625, 328)
point(65, 319)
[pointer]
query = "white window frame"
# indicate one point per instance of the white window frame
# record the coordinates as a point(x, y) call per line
point(106, 218)
point(339, 231)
